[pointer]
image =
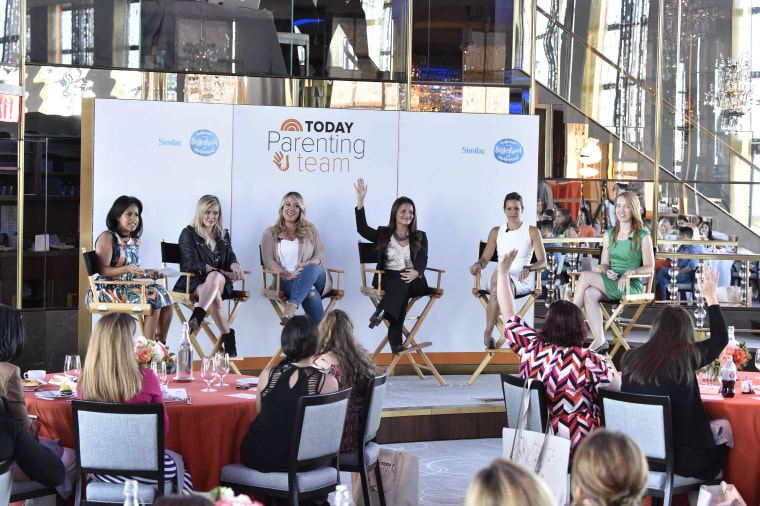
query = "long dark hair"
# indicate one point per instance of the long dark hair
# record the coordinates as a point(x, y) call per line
point(564, 325)
point(117, 209)
point(11, 334)
point(299, 338)
point(561, 229)
point(669, 354)
point(336, 335)
point(415, 237)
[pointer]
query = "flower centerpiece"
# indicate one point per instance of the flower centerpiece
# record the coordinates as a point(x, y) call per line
point(148, 351)
point(224, 496)
point(738, 351)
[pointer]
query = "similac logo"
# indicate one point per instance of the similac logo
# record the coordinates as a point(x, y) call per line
point(315, 146)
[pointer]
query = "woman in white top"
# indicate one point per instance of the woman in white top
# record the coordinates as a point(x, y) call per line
point(294, 248)
point(515, 234)
point(402, 254)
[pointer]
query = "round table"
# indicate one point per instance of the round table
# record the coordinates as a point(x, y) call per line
point(207, 433)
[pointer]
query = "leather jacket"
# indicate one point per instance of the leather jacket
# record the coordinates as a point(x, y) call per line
point(196, 254)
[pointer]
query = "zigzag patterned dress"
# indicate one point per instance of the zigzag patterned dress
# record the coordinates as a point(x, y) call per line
point(571, 377)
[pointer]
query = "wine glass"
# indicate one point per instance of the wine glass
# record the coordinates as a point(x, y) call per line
point(222, 367)
point(71, 368)
point(159, 369)
point(208, 373)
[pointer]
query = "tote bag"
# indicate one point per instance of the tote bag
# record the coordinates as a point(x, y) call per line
point(400, 473)
point(544, 453)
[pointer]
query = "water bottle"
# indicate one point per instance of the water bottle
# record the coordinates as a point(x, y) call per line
point(731, 335)
point(342, 496)
point(728, 377)
point(184, 356)
point(130, 493)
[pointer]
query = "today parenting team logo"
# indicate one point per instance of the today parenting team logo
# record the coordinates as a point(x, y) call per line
point(315, 146)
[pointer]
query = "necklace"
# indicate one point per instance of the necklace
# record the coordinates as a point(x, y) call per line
point(399, 238)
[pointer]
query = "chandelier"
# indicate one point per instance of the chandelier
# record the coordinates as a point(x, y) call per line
point(732, 94)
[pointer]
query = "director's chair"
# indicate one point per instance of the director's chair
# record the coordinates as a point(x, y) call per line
point(368, 255)
point(483, 296)
point(278, 299)
point(170, 254)
point(612, 311)
point(138, 309)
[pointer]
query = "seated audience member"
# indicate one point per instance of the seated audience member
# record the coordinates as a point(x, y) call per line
point(587, 227)
point(682, 221)
point(666, 364)
point(505, 482)
point(111, 374)
point(548, 215)
point(686, 266)
point(35, 460)
point(570, 373)
point(564, 226)
point(705, 228)
point(518, 234)
point(609, 469)
point(341, 355)
point(266, 445)
point(696, 220)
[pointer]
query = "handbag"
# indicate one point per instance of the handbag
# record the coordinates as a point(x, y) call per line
point(719, 495)
point(543, 453)
point(400, 474)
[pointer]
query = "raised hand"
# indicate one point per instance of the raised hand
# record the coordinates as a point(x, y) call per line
point(708, 284)
point(361, 192)
point(505, 263)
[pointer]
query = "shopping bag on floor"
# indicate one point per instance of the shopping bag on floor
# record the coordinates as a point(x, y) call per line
point(400, 473)
point(719, 495)
point(544, 453)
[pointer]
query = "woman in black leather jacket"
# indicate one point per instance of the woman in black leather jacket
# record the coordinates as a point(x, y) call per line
point(207, 253)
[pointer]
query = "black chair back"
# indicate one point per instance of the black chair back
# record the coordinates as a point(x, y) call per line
point(90, 262)
point(367, 253)
point(170, 253)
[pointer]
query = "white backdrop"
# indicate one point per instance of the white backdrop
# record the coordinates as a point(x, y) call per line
point(456, 167)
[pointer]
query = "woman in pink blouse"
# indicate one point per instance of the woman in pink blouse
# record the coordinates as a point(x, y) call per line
point(555, 356)
point(111, 374)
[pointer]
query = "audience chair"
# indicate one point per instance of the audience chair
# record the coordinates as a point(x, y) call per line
point(23, 490)
point(483, 296)
point(612, 311)
point(512, 387)
point(170, 254)
point(6, 481)
point(365, 457)
point(368, 255)
point(271, 291)
point(136, 431)
point(317, 436)
point(138, 310)
point(647, 419)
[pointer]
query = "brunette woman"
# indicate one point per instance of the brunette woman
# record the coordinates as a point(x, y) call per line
point(207, 254)
point(563, 223)
point(402, 252)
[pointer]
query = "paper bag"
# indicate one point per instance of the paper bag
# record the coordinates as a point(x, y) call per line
point(719, 495)
point(552, 467)
point(400, 474)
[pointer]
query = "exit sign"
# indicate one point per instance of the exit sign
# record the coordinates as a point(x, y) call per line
point(9, 108)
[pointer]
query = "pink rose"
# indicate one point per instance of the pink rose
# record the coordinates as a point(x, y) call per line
point(740, 358)
point(722, 357)
point(729, 349)
point(144, 356)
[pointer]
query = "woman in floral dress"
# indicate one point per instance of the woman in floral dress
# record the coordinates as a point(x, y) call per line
point(118, 252)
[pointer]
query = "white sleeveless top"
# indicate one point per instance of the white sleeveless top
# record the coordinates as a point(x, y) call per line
point(506, 241)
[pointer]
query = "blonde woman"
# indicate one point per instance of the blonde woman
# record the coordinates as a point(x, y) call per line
point(207, 254)
point(609, 468)
point(627, 250)
point(294, 248)
point(506, 482)
point(111, 374)
point(341, 355)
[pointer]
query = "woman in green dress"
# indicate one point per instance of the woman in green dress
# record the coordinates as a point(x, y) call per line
point(627, 250)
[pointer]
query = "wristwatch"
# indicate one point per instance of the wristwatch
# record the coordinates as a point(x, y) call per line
point(526, 267)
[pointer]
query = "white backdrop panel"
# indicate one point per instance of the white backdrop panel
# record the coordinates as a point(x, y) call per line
point(324, 177)
point(448, 167)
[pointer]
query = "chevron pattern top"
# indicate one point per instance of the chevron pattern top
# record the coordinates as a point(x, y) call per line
point(570, 375)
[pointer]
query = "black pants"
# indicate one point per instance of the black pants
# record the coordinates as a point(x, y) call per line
point(395, 301)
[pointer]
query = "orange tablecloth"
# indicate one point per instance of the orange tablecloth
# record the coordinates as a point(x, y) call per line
point(742, 467)
point(207, 433)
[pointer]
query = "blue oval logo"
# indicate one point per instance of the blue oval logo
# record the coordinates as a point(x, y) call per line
point(204, 142)
point(508, 151)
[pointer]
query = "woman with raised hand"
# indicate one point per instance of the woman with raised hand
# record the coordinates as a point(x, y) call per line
point(666, 365)
point(555, 356)
point(627, 250)
point(118, 252)
point(294, 248)
point(206, 252)
point(402, 252)
point(111, 374)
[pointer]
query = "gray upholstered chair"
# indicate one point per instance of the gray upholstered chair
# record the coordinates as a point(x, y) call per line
point(512, 386)
point(317, 435)
point(6, 481)
point(365, 457)
point(646, 418)
point(123, 440)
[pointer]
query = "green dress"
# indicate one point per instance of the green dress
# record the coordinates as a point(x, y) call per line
point(622, 258)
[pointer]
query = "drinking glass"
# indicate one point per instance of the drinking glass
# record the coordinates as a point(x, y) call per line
point(208, 373)
point(757, 359)
point(159, 368)
point(71, 368)
point(222, 367)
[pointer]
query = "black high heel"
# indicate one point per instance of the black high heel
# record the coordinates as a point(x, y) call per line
point(376, 318)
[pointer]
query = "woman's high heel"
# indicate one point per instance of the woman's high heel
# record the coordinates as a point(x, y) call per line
point(376, 318)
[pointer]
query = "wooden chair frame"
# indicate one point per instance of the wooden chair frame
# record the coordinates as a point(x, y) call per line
point(278, 299)
point(139, 310)
point(612, 311)
point(170, 255)
point(410, 343)
point(483, 297)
